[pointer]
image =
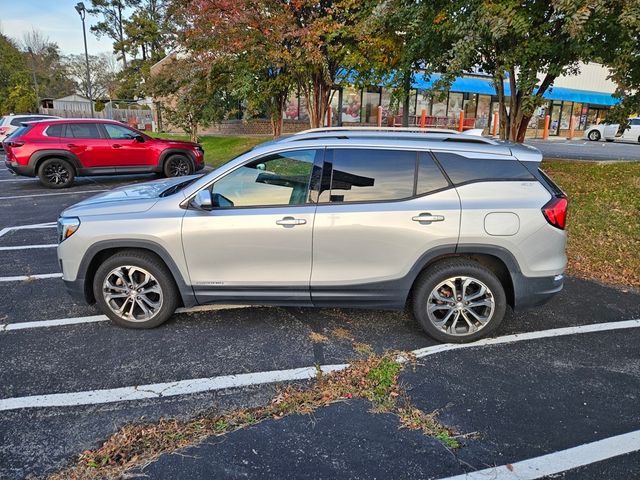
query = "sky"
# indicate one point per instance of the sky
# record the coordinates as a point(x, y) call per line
point(56, 19)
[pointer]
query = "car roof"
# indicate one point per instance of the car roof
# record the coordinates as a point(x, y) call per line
point(78, 120)
point(393, 137)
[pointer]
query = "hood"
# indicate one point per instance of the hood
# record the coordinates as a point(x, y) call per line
point(174, 141)
point(129, 199)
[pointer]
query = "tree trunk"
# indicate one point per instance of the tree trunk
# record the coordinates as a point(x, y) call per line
point(406, 90)
point(317, 92)
point(121, 33)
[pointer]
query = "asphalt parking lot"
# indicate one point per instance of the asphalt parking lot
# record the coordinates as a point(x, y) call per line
point(582, 149)
point(69, 379)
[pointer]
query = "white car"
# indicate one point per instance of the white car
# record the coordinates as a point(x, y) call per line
point(608, 131)
point(10, 123)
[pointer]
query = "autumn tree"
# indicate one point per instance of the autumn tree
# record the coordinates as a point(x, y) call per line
point(525, 45)
point(45, 59)
point(103, 71)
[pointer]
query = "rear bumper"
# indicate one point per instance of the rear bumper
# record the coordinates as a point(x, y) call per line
point(535, 291)
point(16, 169)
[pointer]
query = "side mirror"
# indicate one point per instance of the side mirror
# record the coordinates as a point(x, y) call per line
point(202, 200)
point(139, 138)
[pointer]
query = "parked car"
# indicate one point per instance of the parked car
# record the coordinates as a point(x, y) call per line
point(56, 151)
point(457, 227)
point(10, 123)
point(609, 131)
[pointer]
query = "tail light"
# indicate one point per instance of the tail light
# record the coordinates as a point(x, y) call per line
point(4, 130)
point(14, 144)
point(555, 211)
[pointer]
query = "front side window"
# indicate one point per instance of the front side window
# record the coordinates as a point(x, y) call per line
point(82, 130)
point(365, 175)
point(280, 179)
point(116, 132)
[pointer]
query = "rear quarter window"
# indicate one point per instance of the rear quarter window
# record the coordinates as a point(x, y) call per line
point(465, 170)
point(55, 130)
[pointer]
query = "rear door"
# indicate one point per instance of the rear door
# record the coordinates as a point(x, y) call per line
point(632, 133)
point(86, 141)
point(379, 212)
point(127, 151)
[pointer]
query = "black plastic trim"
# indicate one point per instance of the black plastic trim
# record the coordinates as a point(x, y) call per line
point(41, 155)
point(80, 284)
point(175, 151)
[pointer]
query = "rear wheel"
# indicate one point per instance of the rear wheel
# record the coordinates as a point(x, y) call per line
point(56, 173)
point(177, 166)
point(594, 135)
point(459, 301)
point(135, 290)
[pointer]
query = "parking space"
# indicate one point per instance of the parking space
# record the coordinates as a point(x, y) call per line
point(57, 351)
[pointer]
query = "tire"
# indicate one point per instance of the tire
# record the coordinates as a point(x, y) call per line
point(177, 166)
point(446, 321)
point(594, 135)
point(121, 277)
point(56, 173)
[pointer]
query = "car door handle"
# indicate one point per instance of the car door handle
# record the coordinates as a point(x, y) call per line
point(72, 145)
point(427, 218)
point(290, 221)
point(116, 145)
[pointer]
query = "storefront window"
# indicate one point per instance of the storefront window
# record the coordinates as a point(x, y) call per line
point(470, 103)
point(291, 107)
point(371, 100)
point(439, 107)
point(565, 117)
point(350, 105)
point(483, 112)
point(455, 104)
point(555, 118)
point(423, 103)
point(304, 113)
point(335, 105)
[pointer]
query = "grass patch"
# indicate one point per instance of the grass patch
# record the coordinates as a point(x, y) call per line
point(374, 378)
point(603, 222)
point(220, 149)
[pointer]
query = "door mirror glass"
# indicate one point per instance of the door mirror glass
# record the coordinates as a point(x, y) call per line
point(139, 138)
point(220, 201)
point(203, 200)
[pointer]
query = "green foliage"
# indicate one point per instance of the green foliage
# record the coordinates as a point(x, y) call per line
point(99, 106)
point(16, 87)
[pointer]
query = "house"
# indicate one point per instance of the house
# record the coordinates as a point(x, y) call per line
point(73, 103)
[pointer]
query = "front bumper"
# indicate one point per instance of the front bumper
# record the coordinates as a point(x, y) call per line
point(531, 292)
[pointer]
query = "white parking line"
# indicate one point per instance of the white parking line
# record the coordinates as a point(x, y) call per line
point(196, 385)
point(12, 197)
point(18, 180)
point(560, 461)
point(101, 318)
point(6, 230)
point(23, 278)
point(28, 247)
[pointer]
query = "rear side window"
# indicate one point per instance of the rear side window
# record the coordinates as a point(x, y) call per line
point(16, 122)
point(365, 175)
point(55, 130)
point(19, 131)
point(430, 178)
point(82, 130)
point(464, 170)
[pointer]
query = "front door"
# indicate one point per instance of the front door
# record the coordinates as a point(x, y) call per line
point(256, 241)
point(128, 150)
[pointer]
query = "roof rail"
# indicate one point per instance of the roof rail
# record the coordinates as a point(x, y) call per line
point(434, 134)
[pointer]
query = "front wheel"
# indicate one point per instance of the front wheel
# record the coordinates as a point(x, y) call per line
point(56, 173)
point(177, 166)
point(459, 301)
point(135, 290)
point(594, 135)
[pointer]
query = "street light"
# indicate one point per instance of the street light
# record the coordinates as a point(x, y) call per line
point(82, 11)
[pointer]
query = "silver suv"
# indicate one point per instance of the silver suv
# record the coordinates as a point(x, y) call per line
point(454, 226)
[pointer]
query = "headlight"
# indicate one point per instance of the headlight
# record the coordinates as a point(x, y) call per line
point(67, 226)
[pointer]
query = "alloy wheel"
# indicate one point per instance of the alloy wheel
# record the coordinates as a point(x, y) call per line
point(179, 167)
point(57, 174)
point(132, 293)
point(460, 306)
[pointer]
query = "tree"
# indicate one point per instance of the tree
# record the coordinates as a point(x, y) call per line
point(526, 45)
point(103, 71)
point(192, 93)
point(17, 93)
point(113, 21)
point(44, 57)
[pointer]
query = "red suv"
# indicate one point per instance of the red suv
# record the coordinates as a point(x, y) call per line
point(59, 150)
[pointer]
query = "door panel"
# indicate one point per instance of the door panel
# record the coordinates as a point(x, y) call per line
point(256, 242)
point(85, 141)
point(127, 151)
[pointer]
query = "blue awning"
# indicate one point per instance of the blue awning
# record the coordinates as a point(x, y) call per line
point(484, 86)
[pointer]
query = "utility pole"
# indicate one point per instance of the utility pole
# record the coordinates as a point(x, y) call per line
point(82, 11)
point(35, 79)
